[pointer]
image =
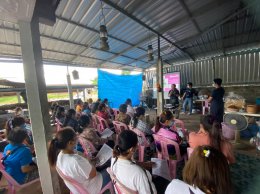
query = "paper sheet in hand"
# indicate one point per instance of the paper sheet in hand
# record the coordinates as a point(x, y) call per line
point(161, 168)
point(106, 133)
point(104, 154)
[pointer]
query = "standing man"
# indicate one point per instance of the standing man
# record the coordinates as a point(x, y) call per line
point(188, 98)
point(216, 100)
point(174, 95)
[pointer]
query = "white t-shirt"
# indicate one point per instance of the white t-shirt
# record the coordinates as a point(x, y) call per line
point(79, 168)
point(180, 187)
point(132, 176)
point(130, 111)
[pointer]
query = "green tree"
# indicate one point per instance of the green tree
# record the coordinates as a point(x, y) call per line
point(94, 81)
point(125, 72)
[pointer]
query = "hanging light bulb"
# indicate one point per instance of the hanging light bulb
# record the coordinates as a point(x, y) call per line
point(103, 38)
point(75, 74)
point(150, 53)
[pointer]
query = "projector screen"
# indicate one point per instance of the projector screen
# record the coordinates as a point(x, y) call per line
point(168, 80)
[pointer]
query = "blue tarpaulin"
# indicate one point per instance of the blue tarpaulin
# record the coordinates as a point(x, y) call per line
point(117, 88)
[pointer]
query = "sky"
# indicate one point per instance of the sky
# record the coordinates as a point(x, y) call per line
point(53, 74)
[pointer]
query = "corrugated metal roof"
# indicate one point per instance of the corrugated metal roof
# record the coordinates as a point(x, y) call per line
point(199, 28)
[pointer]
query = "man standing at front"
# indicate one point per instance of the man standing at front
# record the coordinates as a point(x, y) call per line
point(174, 95)
point(188, 98)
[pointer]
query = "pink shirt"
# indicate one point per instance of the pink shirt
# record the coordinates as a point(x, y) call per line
point(198, 139)
point(169, 134)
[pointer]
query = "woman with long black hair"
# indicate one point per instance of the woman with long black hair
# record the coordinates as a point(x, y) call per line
point(61, 154)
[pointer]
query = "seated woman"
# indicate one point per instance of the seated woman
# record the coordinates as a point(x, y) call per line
point(130, 110)
point(91, 134)
point(61, 153)
point(20, 122)
point(213, 170)
point(163, 127)
point(86, 110)
point(127, 172)
point(138, 122)
point(60, 114)
point(210, 134)
point(79, 106)
point(18, 157)
point(94, 107)
point(102, 112)
point(202, 136)
point(122, 116)
point(70, 120)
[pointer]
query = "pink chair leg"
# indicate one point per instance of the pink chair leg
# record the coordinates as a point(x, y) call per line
point(172, 167)
point(141, 153)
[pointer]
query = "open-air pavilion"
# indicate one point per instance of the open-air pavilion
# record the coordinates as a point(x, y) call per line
point(200, 39)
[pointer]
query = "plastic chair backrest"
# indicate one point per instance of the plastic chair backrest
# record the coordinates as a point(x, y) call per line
point(116, 111)
point(87, 146)
point(228, 131)
point(95, 121)
point(103, 124)
point(165, 154)
point(120, 188)
point(158, 139)
point(141, 137)
point(72, 182)
point(189, 151)
point(12, 184)
point(119, 126)
point(180, 123)
point(58, 125)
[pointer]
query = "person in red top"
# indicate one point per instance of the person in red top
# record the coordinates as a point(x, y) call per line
point(102, 112)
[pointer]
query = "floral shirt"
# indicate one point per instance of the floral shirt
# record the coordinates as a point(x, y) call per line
point(91, 135)
point(124, 118)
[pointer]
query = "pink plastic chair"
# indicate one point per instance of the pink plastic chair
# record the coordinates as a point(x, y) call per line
point(79, 187)
point(158, 139)
point(116, 111)
point(142, 143)
point(189, 151)
point(13, 186)
point(228, 131)
point(205, 106)
point(119, 126)
point(164, 142)
point(119, 187)
point(180, 124)
point(58, 125)
point(95, 122)
point(87, 146)
point(103, 124)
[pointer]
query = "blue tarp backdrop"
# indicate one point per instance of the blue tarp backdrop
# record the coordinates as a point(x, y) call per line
point(117, 88)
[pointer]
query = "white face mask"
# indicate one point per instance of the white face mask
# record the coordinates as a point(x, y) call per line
point(171, 123)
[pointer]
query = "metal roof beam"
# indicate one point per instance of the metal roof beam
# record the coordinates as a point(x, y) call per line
point(121, 10)
point(94, 30)
point(185, 7)
point(69, 42)
point(216, 25)
point(64, 52)
point(204, 9)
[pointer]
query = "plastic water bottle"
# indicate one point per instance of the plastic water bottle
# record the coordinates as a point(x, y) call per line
point(257, 143)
